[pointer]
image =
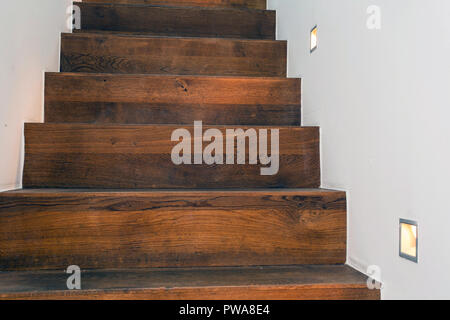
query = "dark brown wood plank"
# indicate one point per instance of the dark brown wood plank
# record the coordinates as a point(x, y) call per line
point(146, 99)
point(108, 53)
point(126, 156)
point(243, 283)
point(251, 4)
point(180, 22)
point(52, 229)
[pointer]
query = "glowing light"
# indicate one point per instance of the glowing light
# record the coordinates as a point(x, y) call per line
point(314, 39)
point(409, 240)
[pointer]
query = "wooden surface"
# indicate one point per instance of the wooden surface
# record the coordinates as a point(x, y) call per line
point(149, 99)
point(127, 156)
point(106, 53)
point(51, 229)
point(251, 4)
point(206, 216)
point(255, 283)
point(181, 22)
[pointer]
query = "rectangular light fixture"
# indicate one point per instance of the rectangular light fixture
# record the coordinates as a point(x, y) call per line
point(313, 44)
point(409, 240)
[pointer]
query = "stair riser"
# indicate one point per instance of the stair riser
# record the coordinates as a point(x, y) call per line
point(137, 99)
point(145, 113)
point(146, 55)
point(96, 156)
point(251, 4)
point(170, 229)
point(179, 22)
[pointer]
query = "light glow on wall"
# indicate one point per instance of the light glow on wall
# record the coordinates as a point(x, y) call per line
point(313, 39)
point(409, 240)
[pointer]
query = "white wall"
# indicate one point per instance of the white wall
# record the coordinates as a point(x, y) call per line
point(382, 99)
point(30, 34)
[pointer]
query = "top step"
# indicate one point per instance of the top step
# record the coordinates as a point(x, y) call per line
point(177, 21)
point(250, 4)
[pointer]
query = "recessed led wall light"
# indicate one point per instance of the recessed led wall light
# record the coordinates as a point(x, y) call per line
point(409, 240)
point(313, 44)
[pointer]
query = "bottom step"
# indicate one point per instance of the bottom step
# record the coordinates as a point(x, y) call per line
point(237, 283)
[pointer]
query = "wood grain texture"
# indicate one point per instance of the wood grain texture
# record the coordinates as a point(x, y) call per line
point(51, 229)
point(126, 156)
point(172, 232)
point(243, 283)
point(250, 4)
point(180, 22)
point(106, 53)
point(147, 99)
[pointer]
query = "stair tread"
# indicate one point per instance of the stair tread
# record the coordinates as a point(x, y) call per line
point(98, 33)
point(143, 34)
point(50, 191)
point(177, 282)
point(187, 277)
point(128, 125)
point(162, 75)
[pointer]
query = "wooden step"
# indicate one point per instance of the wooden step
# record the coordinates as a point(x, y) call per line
point(149, 99)
point(51, 229)
point(180, 22)
point(240, 283)
point(250, 4)
point(139, 156)
point(108, 53)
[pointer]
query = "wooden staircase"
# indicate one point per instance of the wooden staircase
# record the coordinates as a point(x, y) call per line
point(100, 189)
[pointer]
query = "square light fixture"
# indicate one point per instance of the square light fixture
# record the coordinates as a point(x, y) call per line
point(409, 240)
point(313, 44)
